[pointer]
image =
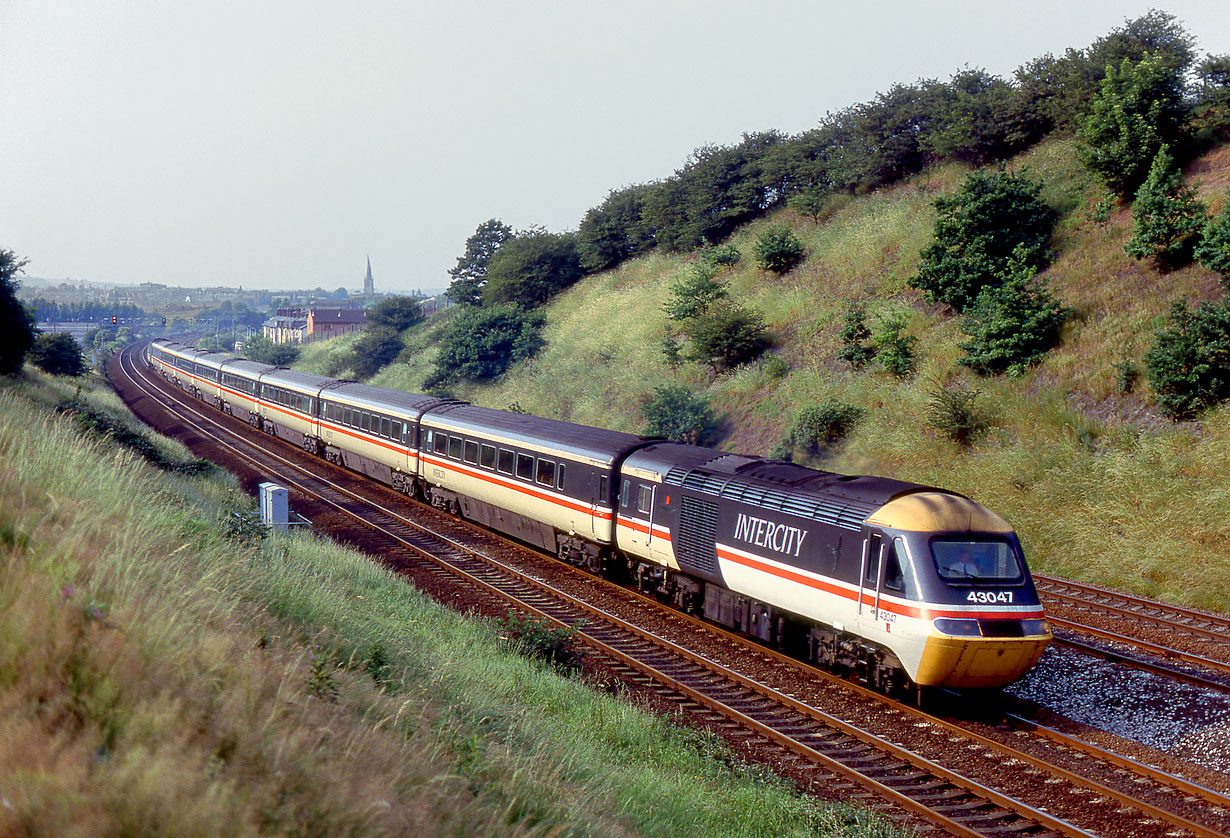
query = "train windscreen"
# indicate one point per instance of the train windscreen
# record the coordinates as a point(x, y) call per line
point(975, 561)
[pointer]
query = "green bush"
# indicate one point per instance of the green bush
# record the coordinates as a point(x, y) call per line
point(481, 343)
point(778, 249)
point(722, 255)
point(57, 354)
point(262, 349)
point(395, 313)
point(776, 367)
point(823, 425)
point(894, 348)
point(1213, 252)
point(541, 640)
point(856, 349)
point(16, 323)
point(676, 413)
point(1189, 361)
point(979, 233)
point(694, 293)
point(376, 348)
point(954, 411)
point(1013, 326)
point(1166, 217)
point(726, 335)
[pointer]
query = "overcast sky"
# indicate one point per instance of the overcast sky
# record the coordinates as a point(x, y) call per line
point(278, 144)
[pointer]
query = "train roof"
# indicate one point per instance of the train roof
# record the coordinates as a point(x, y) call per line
point(596, 445)
point(370, 397)
point(305, 382)
point(838, 499)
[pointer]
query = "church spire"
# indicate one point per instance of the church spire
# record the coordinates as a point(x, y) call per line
point(369, 284)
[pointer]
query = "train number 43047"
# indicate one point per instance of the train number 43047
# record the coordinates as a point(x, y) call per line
point(990, 597)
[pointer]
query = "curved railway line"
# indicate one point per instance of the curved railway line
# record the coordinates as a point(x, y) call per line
point(1019, 778)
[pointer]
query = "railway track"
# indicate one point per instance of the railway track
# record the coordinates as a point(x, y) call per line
point(1044, 799)
point(1182, 643)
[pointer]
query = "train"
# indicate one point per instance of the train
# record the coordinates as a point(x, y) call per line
point(905, 586)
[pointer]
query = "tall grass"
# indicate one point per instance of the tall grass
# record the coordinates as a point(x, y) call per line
point(159, 677)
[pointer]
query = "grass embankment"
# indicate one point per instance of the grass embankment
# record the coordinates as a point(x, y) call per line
point(163, 671)
point(1099, 485)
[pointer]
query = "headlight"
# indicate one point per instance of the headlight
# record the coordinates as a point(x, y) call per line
point(1033, 627)
point(957, 628)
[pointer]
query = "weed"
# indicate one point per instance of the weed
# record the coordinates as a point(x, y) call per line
point(954, 411)
point(541, 640)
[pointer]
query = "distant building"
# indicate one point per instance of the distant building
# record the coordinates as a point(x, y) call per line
point(324, 323)
point(369, 284)
point(298, 325)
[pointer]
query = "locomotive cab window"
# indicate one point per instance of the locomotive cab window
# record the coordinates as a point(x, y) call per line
point(644, 497)
point(525, 466)
point(894, 579)
point(964, 560)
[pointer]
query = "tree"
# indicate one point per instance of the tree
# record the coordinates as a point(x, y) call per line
point(778, 250)
point(1213, 252)
point(1166, 216)
point(1138, 110)
point(1013, 325)
point(262, 349)
point(695, 292)
point(531, 268)
point(1188, 363)
point(470, 273)
point(894, 348)
point(16, 325)
point(57, 354)
point(677, 414)
point(480, 344)
point(395, 313)
point(978, 231)
point(614, 231)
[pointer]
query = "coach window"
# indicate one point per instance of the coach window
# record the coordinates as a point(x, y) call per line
point(471, 455)
point(346, 416)
point(559, 478)
point(625, 493)
point(643, 498)
point(506, 461)
point(395, 430)
point(546, 472)
point(365, 421)
point(385, 426)
point(604, 484)
point(486, 457)
point(525, 466)
point(454, 447)
point(441, 443)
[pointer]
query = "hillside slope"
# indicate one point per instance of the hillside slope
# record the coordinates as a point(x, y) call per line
point(1100, 486)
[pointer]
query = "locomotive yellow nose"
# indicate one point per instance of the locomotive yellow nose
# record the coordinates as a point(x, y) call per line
point(978, 661)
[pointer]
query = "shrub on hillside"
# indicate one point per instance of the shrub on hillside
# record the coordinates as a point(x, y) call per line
point(676, 413)
point(1213, 252)
point(1166, 217)
point(376, 348)
point(856, 348)
point(823, 425)
point(532, 267)
point(541, 640)
point(778, 249)
point(726, 335)
point(1013, 326)
point(57, 354)
point(481, 343)
point(692, 295)
point(894, 349)
point(1189, 361)
point(954, 410)
point(979, 232)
